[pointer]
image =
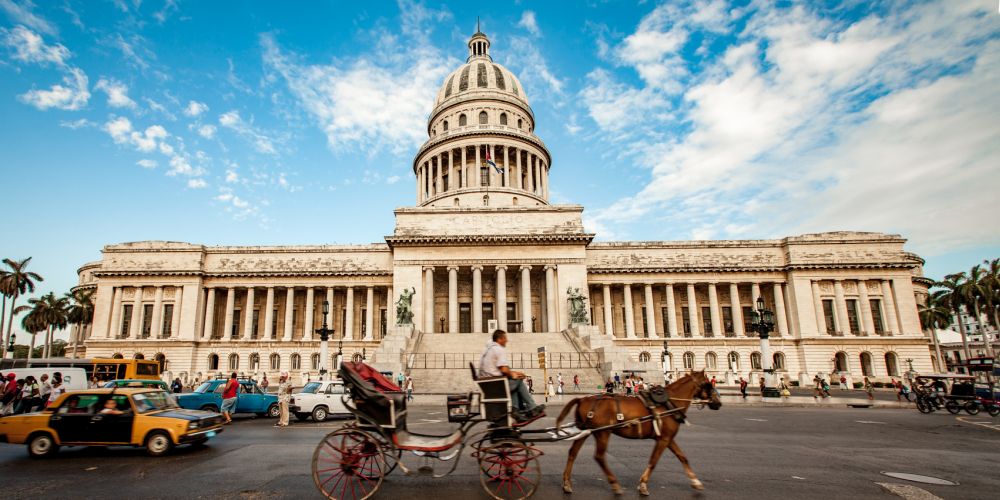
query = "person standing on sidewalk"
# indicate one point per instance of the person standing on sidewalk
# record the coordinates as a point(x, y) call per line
point(743, 387)
point(843, 383)
point(576, 382)
point(229, 396)
point(783, 387)
point(409, 388)
point(762, 386)
point(284, 397)
point(870, 389)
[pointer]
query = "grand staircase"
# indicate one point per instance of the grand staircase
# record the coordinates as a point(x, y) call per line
point(439, 362)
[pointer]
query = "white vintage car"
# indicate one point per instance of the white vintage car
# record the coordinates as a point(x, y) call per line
point(318, 400)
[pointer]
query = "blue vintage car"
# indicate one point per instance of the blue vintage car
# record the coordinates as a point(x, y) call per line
point(251, 398)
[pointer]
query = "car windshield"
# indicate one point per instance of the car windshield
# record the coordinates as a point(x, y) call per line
point(146, 402)
point(311, 388)
point(203, 388)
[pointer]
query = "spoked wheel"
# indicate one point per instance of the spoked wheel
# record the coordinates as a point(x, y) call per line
point(348, 464)
point(509, 469)
point(390, 453)
point(993, 410)
point(924, 405)
point(952, 407)
point(972, 408)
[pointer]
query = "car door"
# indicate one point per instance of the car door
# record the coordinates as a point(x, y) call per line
point(334, 398)
point(249, 399)
point(114, 428)
point(71, 420)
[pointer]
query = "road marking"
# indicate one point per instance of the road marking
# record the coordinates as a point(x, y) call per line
point(982, 423)
point(756, 419)
point(908, 491)
point(431, 421)
point(868, 422)
point(797, 477)
point(434, 412)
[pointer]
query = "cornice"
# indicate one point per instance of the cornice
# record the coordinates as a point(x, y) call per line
point(243, 274)
point(716, 269)
point(490, 239)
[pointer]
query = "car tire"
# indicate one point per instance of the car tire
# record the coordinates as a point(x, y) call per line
point(158, 443)
point(211, 408)
point(274, 411)
point(302, 416)
point(320, 413)
point(42, 445)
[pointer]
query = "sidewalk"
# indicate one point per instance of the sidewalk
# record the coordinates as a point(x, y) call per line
point(794, 401)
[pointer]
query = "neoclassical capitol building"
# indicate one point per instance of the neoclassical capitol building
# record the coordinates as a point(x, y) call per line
point(484, 248)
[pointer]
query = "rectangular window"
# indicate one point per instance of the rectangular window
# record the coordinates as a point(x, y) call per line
point(747, 318)
point(727, 321)
point(168, 320)
point(274, 323)
point(687, 321)
point(876, 306)
point(343, 322)
point(147, 320)
point(126, 320)
point(364, 324)
point(831, 326)
point(444, 181)
point(706, 321)
point(484, 176)
point(852, 316)
point(666, 321)
point(237, 314)
point(255, 323)
point(644, 332)
point(624, 323)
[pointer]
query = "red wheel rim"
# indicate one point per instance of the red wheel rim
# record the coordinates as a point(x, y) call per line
point(348, 466)
point(509, 470)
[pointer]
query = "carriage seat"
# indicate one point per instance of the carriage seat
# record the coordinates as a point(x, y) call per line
point(409, 441)
point(496, 401)
point(387, 409)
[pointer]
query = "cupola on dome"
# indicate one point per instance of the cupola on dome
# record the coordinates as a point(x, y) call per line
point(480, 74)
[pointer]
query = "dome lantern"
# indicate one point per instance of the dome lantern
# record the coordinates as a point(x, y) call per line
point(479, 45)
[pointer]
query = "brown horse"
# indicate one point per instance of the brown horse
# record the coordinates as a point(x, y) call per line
point(603, 410)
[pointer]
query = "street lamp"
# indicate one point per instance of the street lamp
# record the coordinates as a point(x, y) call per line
point(10, 344)
point(324, 340)
point(665, 359)
point(762, 322)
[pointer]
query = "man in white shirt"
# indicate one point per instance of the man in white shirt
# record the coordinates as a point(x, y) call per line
point(494, 363)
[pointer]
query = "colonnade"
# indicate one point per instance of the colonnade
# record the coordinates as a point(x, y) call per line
point(451, 169)
point(138, 317)
point(861, 314)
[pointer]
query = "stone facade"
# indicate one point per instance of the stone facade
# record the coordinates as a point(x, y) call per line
point(484, 246)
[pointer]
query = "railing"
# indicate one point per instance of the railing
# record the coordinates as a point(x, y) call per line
point(518, 360)
point(598, 358)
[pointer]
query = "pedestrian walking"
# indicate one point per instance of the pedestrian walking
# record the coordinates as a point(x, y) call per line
point(818, 387)
point(264, 383)
point(559, 385)
point(763, 385)
point(284, 398)
point(409, 388)
point(9, 395)
point(609, 387)
point(618, 380)
point(843, 383)
point(576, 382)
point(870, 389)
point(550, 388)
point(177, 387)
point(743, 387)
point(229, 396)
point(714, 382)
point(826, 389)
point(785, 391)
point(531, 384)
point(400, 379)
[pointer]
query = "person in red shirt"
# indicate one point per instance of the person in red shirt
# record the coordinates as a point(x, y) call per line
point(229, 393)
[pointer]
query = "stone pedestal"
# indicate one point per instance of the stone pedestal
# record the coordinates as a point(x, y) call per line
point(388, 356)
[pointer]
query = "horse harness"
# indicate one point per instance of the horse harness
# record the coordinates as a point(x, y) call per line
point(651, 399)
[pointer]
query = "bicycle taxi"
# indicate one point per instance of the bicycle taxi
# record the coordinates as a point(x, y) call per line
point(950, 391)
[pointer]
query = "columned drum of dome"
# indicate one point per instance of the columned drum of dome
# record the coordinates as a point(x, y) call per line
point(481, 148)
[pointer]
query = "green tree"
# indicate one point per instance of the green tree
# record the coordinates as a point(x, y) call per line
point(46, 313)
point(952, 296)
point(80, 313)
point(991, 289)
point(973, 289)
point(935, 315)
point(18, 281)
point(5, 291)
point(31, 323)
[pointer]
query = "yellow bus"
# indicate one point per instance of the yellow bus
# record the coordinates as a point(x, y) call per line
point(103, 369)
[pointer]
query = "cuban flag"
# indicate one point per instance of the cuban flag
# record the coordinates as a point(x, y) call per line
point(490, 162)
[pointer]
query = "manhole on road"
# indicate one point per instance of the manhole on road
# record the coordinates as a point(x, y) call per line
point(917, 478)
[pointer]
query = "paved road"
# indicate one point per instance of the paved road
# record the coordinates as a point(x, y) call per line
point(738, 452)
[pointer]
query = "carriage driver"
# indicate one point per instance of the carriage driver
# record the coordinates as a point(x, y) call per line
point(494, 363)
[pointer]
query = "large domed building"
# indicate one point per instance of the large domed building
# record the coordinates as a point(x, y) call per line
point(483, 248)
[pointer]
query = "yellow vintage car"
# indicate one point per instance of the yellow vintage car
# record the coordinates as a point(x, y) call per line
point(111, 417)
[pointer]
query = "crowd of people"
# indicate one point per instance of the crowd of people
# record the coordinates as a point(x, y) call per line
point(25, 395)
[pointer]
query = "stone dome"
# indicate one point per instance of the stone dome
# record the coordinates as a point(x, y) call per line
point(480, 73)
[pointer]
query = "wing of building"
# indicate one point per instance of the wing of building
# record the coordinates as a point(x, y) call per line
point(482, 249)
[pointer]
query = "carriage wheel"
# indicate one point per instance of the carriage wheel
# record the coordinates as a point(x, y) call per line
point(509, 469)
point(972, 408)
point(391, 454)
point(348, 464)
point(952, 407)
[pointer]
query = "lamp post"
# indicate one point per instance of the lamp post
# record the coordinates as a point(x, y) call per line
point(10, 344)
point(665, 359)
point(324, 341)
point(762, 322)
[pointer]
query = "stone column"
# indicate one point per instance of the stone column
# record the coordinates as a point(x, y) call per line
point(502, 290)
point(441, 169)
point(209, 314)
point(370, 313)
point(289, 313)
point(135, 327)
point(452, 299)
point(517, 169)
point(629, 311)
point(419, 185)
point(505, 181)
point(349, 322)
point(531, 173)
point(693, 311)
point(843, 325)
point(156, 324)
point(310, 319)
point(269, 314)
point(332, 315)
point(248, 315)
point(390, 309)
point(227, 329)
point(175, 321)
point(650, 312)
point(551, 300)
point(867, 324)
point(115, 329)
point(438, 176)
point(477, 299)
point(428, 300)
point(475, 169)
point(779, 309)
point(818, 305)
point(754, 295)
point(734, 303)
point(464, 169)
point(890, 308)
point(671, 310)
point(713, 309)
point(526, 299)
point(609, 321)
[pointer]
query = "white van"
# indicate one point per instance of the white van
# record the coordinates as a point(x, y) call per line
point(74, 379)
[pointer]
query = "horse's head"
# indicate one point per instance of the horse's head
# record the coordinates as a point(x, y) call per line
point(705, 390)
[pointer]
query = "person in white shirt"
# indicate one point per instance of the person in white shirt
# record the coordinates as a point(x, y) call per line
point(58, 389)
point(494, 363)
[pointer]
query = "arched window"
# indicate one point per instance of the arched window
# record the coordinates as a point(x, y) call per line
point(503, 118)
point(275, 361)
point(213, 361)
point(483, 118)
point(296, 361)
point(456, 202)
point(866, 364)
point(315, 361)
point(840, 362)
point(117, 355)
point(689, 361)
point(734, 361)
point(755, 361)
point(891, 364)
point(711, 361)
point(254, 362)
point(519, 123)
point(779, 361)
point(162, 360)
point(434, 132)
point(234, 361)
point(486, 199)
point(138, 355)
point(514, 201)
point(644, 357)
point(444, 126)
point(462, 121)
point(357, 358)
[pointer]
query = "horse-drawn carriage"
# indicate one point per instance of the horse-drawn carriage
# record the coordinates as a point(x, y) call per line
point(954, 392)
point(353, 461)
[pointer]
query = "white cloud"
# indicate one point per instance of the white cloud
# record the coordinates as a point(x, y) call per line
point(526, 61)
point(71, 95)
point(147, 163)
point(117, 93)
point(195, 108)
point(392, 179)
point(196, 183)
point(232, 176)
point(77, 124)
point(207, 131)
point(262, 143)
point(28, 46)
point(529, 23)
point(22, 13)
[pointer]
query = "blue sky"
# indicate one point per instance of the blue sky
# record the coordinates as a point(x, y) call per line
point(264, 123)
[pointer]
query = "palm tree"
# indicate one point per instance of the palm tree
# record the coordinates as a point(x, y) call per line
point(48, 312)
point(935, 315)
point(18, 281)
point(80, 312)
point(974, 291)
point(5, 291)
point(991, 299)
point(31, 323)
point(953, 297)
